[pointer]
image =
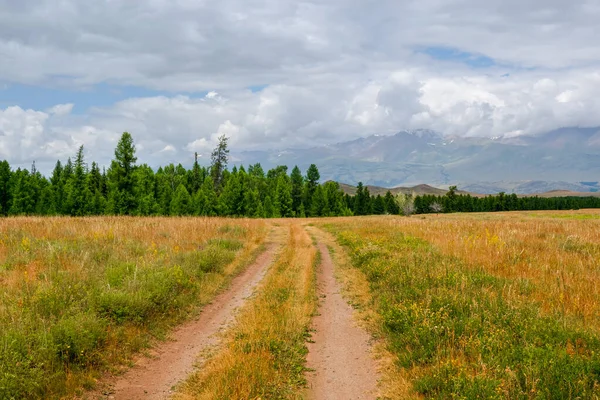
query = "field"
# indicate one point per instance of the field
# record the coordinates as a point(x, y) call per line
point(499, 305)
point(80, 296)
point(484, 305)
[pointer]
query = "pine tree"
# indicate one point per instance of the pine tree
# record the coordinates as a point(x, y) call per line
point(45, 204)
point(219, 157)
point(232, 196)
point(312, 181)
point(196, 175)
point(260, 210)
point(391, 206)
point(335, 199)
point(145, 190)
point(251, 203)
point(79, 195)
point(182, 201)
point(268, 206)
point(378, 205)
point(5, 178)
point(297, 189)
point(198, 202)
point(211, 204)
point(319, 203)
point(23, 196)
point(121, 196)
point(283, 202)
point(362, 200)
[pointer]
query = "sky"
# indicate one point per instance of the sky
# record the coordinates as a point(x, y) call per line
point(177, 74)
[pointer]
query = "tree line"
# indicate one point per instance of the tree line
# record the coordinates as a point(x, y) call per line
point(127, 188)
point(454, 202)
point(75, 188)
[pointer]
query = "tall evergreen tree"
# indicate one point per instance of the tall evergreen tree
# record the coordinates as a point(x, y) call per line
point(211, 203)
point(283, 202)
point(23, 195)
point(297, 188)
point(319, 206)
point(121, 197)
point(182, 201)
point(362, 200)
point(196, 178)
point(378, 205)
point(145, 191)
point(5, 177)
point(391, 206)
point(312, 181)
point(219, 158)
point(78, 192)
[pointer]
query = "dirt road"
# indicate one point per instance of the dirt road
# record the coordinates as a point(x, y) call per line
point(154, 378)
point(340, 355)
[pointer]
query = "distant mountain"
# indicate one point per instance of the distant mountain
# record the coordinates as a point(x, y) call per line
point(418, 190)
point(567, 159)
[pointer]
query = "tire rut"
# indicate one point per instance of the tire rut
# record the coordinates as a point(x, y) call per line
point(173, 361)
point(339, 354)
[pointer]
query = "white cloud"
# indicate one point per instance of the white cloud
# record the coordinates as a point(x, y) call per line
point(283, 116)
point(61, 109)
point(334, 70)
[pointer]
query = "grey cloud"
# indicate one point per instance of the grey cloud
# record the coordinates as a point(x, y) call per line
point(336, 69)
point(200, 45)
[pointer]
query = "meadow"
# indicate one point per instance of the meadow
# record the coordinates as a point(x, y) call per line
point(501, 305)
point(81, 296)
point(478, 305)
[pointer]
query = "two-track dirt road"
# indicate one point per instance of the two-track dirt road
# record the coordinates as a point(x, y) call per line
point(339, 355)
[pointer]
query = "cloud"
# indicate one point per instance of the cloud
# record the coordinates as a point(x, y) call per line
point(283, 116)
point(190, 45)
point(279, 73)
point(61, 109)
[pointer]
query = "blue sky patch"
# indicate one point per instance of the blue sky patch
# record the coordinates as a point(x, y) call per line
point(451, 54)
point(257, 88)
point(101, 95)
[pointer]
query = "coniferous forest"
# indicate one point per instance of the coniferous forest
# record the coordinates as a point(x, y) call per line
point(76, 188)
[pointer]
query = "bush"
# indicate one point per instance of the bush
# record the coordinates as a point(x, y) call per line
point(78, 338)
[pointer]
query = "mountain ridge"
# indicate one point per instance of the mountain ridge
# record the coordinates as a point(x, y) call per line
point(563, 159)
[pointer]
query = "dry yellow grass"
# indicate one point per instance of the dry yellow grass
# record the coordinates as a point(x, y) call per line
point(558, 252)
point(263, 353)
point(497, 305)
point(80, 295)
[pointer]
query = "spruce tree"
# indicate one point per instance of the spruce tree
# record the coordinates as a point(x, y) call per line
point(121, 196)
point(182, 201)
point(268, 206)
point(319, 203)
point(362, 200)
point(211, 203)
point(196, 178)
point(378, 205)
point(5, 177)
point(391, 206)
point(23, 196)
point(145, 190)
point(284, 199)
point(219, 158)
point(79, 195)
point(297, 188)
point(312, 181)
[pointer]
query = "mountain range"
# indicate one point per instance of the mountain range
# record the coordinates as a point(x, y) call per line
point(564, 159)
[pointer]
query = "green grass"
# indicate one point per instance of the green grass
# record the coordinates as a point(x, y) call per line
point(463, 333)
point(91, 303)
